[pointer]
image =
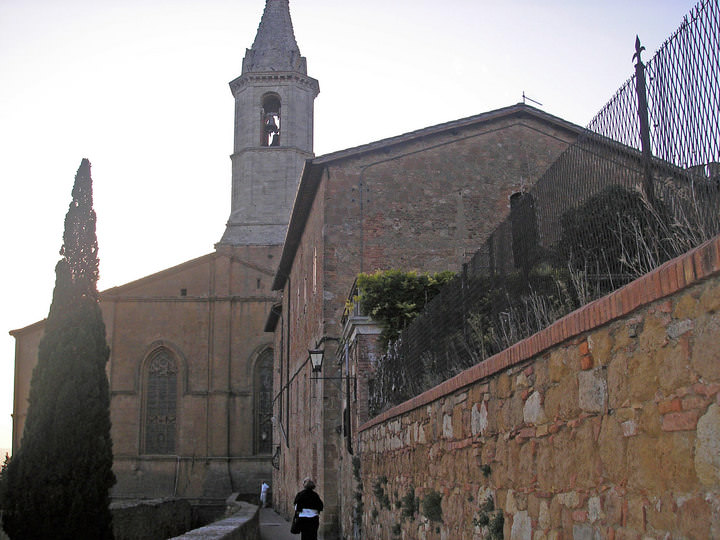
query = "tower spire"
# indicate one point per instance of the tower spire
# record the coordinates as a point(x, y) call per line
point(274, 48)
point(273, 132)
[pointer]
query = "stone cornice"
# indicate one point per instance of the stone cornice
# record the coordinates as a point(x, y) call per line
point(201, 299)
point(275, 78)
point(308, 155)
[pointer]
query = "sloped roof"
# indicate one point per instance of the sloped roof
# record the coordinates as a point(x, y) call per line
point(275, 47)
point(108, 294)
point(312, 171)
point(113, 292)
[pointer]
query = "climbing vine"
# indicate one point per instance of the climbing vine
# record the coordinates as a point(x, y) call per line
point(394, 298)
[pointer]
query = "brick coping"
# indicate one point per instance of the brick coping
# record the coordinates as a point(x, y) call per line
point(675, 275)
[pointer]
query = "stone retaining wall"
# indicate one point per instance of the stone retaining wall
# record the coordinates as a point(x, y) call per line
point(152, 519)
point(243, 524)
point(604, 425)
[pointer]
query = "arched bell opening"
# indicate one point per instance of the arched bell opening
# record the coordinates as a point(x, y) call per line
point(271, 120)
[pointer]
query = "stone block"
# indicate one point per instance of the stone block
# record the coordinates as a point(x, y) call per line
point(595, 512)
point(680, 421)
point(670, 405)
point(662, 513)
point(600, 345)
point(557, 365)
point(694, 513)
point(709, 300)
point(660, 464)
point(649, 420)
point(617, 375)
point(542, 377)
point(654, 333)
point(592, 391)
point(543, 518)
point(533, 412)
point(629, 428)
point(643, 375)
point(479, 419)
point(705, 358)
point(583, 531)
point(686, 307)
point(707, 448)
point(679, 327)
point(561, 399)
point(521, 526)
point(502, 386)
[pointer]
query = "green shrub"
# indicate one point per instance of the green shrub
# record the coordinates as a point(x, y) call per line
point(432, 506)
point(409, 504)
point(394, 298)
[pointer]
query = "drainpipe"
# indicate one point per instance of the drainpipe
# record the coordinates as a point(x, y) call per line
point(177, 475)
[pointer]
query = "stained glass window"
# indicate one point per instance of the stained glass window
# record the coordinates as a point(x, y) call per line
point(161, 403)
point(263, 402)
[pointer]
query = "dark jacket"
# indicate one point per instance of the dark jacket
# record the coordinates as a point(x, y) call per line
point(307, 498)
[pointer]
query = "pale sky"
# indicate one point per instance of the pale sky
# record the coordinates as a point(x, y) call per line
point(139, 87)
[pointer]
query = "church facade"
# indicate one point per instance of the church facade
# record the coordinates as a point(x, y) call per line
point(190, 369)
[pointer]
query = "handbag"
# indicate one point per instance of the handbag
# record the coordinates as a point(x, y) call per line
point(295, 524)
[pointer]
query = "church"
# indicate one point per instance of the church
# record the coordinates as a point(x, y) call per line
point(190, 370)
point(211, 387)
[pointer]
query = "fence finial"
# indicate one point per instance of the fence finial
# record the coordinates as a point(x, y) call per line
point(638, 49)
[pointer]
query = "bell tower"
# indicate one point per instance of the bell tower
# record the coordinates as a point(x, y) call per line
point(274, 100)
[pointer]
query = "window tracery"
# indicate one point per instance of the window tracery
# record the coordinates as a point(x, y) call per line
point(161, 403)
point(263, 403)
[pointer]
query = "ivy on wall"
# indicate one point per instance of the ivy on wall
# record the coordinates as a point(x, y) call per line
point(394, 298)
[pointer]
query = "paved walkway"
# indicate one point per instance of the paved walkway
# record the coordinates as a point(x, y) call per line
point(274, 527)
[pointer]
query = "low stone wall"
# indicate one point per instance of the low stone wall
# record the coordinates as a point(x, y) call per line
point(605, 425)
point(152, 519)
point(243, 524)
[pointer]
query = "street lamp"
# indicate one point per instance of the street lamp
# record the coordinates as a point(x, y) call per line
point(316, 359)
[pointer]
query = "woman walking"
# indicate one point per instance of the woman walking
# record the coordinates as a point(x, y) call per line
point(308, 506)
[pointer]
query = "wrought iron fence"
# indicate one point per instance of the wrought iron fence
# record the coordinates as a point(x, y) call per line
point(641, 185)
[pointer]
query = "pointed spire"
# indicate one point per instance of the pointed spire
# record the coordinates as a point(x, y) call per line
point(275, 48)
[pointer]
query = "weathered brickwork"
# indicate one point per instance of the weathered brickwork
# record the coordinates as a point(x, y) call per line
point(205, 319)
point(208, 314)
point(420, 201)
point(613, 432)
point(360, 333)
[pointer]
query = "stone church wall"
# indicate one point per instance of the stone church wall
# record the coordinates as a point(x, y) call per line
point(423, 203)
point(604, 425)
point(208, 315)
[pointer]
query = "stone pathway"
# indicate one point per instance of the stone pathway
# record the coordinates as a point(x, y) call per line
point(274, 527)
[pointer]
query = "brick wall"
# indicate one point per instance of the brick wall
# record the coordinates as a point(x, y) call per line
point(421, 203)
point(604, 425)
point(210, 313)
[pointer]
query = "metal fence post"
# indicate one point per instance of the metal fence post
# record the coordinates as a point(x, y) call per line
point(641, 88)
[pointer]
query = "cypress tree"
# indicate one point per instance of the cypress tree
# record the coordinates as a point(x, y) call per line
point(57, 485)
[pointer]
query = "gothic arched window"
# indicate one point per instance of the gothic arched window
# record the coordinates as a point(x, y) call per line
point(161, 380)
point(263, 402)
point(271, 120)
